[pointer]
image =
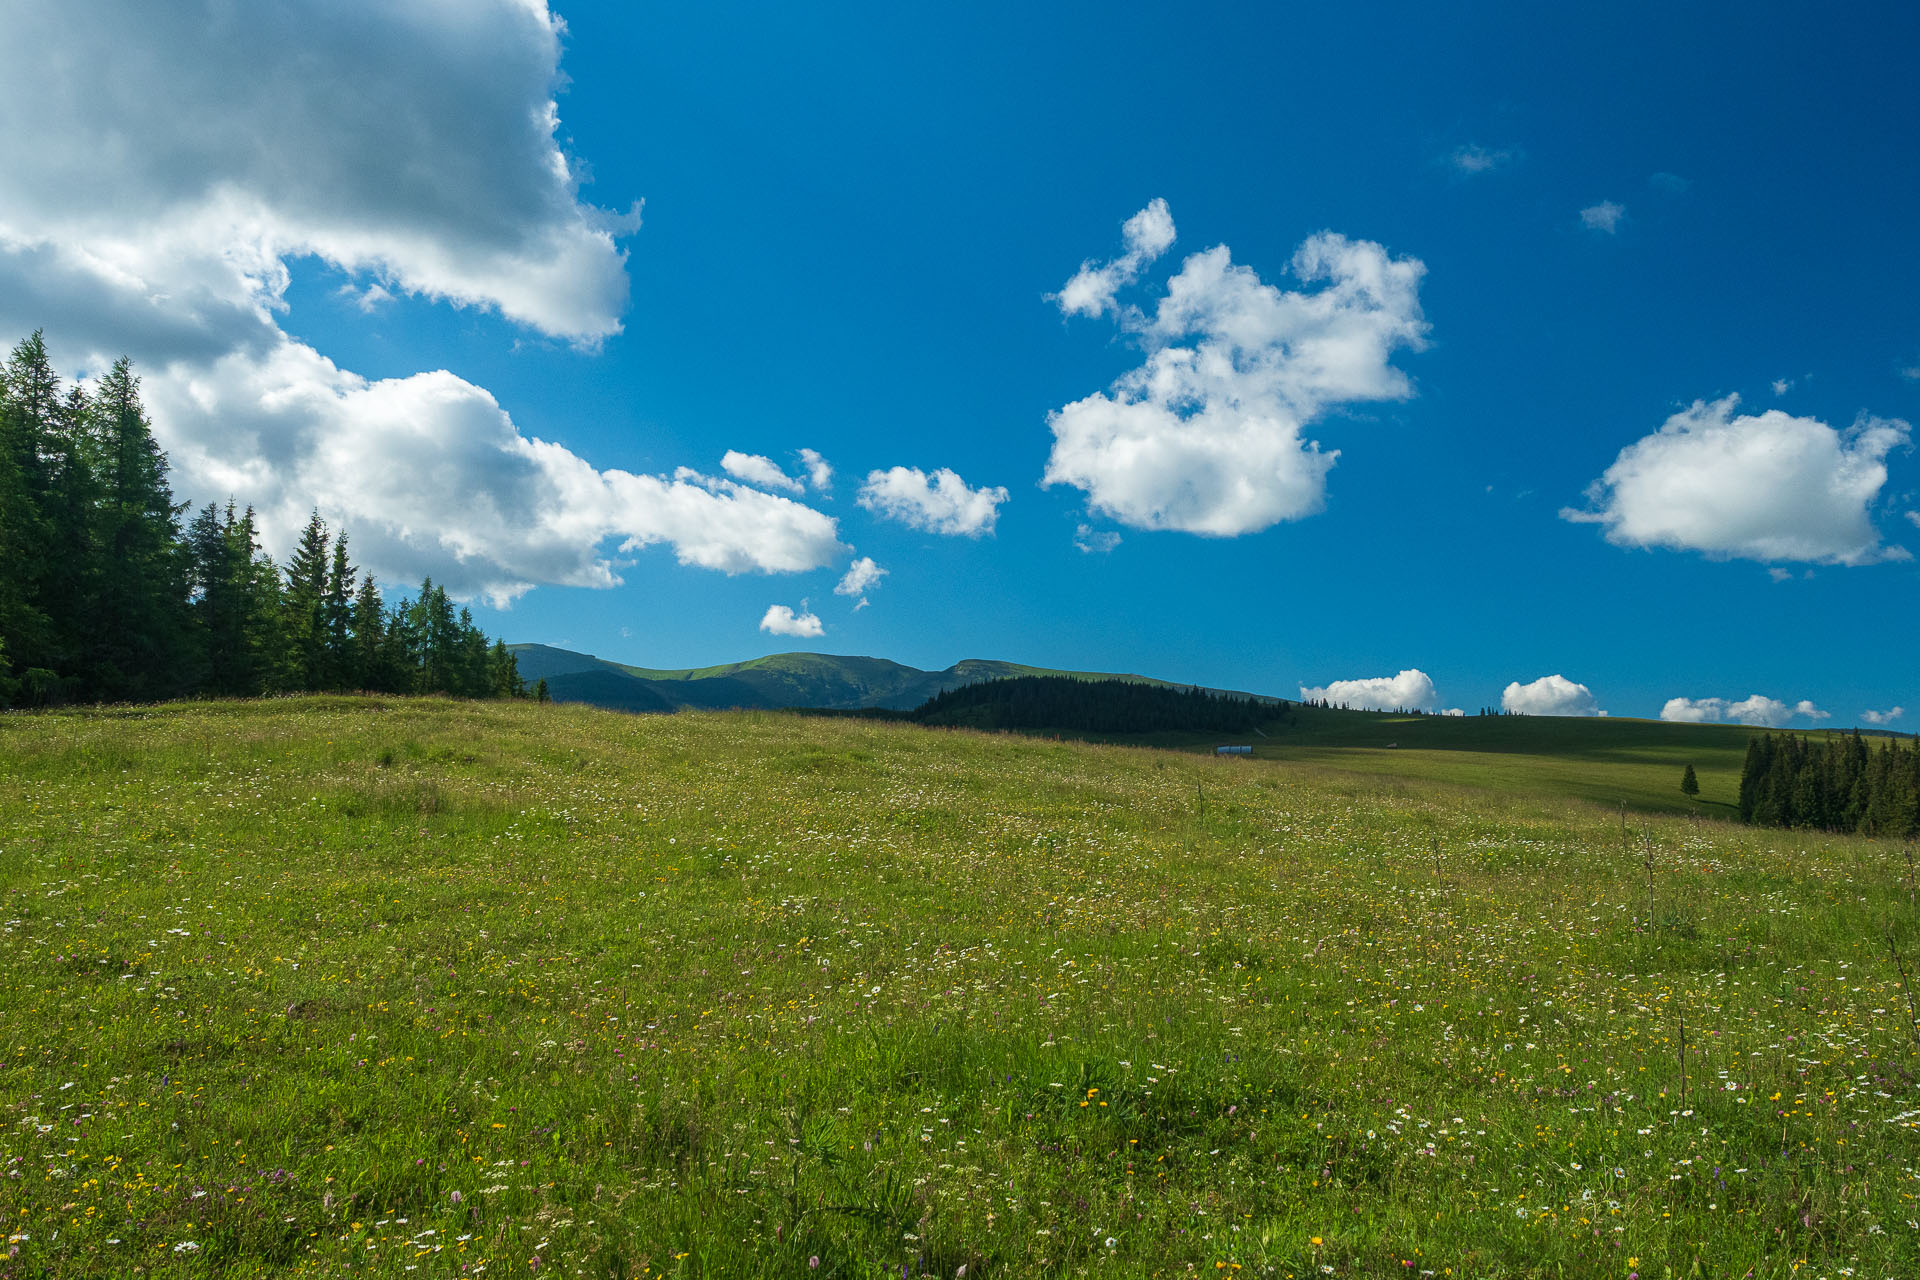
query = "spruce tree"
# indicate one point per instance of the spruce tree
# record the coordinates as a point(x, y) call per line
point(503, 673)
point(70, 593)
point(370, 668)
point(9, 687)
point(1689, 783)
point(302, 613)
point(24, 627)
point(139, 634)
point(237, 605)
point(336, 620)
point(30, 412)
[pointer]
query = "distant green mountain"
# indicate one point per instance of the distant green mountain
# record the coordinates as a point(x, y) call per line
point(821, 680)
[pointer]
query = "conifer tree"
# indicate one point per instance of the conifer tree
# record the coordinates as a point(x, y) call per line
point(503, 673)
point(303, 603)
point(336, 620)
point(140, 625)
point(9, 687)
point(30, 411)
point(104, 595)
point(1689, 783)
point(70, 591)
point(370, 668)
point(23, 625)
point(237, 605)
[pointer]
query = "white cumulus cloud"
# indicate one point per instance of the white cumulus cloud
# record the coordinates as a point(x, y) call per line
point(1412, 689)
point(819, 474)
point(429, 476)
point(861, 576)
point(1147, 234)
point(1206, 436)
point(420, 147)
point(1693, 710)
point(1765, 486)
point(1883, 717)
point(1553, 695)
point(1755, 709)
point(156, 206)
point(781, 620)
point(1604, 217)
point(756, 470)
point(938, 503)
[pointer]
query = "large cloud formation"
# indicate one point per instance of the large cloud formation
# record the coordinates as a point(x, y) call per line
point(181, 156)
point(1412, 689)
point(1206, 435)
point(1553, 695)
point(1767, 487)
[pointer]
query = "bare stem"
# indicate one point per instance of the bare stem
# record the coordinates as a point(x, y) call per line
point(1913, 1018)
point(1683, 1056)
point(1647, 856)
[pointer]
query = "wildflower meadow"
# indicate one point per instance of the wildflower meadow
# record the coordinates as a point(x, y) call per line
point(415, 987)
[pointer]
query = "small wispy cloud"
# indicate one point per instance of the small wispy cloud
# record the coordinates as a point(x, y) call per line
point(861, 576)
point(1604, 217)
point(819, 474)
point(1472, 159)
point(1092, 540)
point(1883, 717)
point(1782, 385)
point(763, 473)
point(369, 299)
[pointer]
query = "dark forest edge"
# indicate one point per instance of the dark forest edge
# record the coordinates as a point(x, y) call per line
point(1832, 784)
point(1064, 704)
point(107, 596)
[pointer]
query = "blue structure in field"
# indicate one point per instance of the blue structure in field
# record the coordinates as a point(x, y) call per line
point(1233, 751)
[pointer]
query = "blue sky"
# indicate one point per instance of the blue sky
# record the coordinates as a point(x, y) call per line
point(856, 234)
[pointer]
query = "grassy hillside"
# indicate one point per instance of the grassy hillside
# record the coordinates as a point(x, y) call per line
point(1609, 761)
point(336, 985)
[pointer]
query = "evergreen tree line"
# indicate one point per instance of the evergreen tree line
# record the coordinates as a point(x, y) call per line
point(1832, 784)
point(107, 596)
point(1328, 704)
point(1094, 706)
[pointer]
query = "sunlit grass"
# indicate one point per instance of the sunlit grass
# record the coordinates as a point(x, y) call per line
point(338, 986)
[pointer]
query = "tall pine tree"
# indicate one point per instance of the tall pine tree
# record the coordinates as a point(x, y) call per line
point(138, 645)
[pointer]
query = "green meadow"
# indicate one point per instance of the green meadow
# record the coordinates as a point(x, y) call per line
point(1607, 761)
point(415, 987)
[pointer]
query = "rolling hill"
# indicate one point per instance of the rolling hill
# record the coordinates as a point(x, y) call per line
point(1606, 760)
point(815, 680)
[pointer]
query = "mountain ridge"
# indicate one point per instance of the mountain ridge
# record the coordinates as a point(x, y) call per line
point(825, 681)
